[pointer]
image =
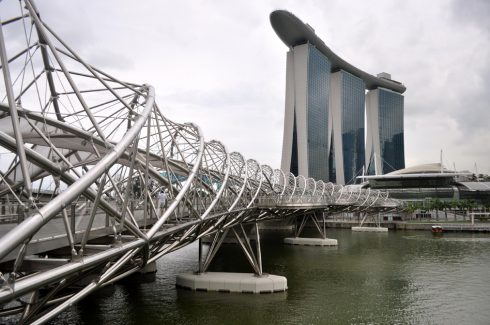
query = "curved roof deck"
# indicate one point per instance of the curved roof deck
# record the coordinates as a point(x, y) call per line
point(292, 31)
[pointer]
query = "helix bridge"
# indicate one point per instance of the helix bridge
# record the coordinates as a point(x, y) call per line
point(83, 157)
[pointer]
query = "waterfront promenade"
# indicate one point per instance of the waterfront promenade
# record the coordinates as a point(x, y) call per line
point(415, 225)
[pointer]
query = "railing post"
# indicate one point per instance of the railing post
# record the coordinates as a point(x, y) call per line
point(200, 256)
point(73, 212)
point(259, 252)
point(324, 228)
point(20, 214)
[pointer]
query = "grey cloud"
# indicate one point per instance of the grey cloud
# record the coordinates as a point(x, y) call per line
point(473, 12)
point(220, 64)
point(240, 95)
point(109, 60)
point(474, 112)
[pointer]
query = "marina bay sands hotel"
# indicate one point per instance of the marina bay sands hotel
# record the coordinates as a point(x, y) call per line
point(329, 102)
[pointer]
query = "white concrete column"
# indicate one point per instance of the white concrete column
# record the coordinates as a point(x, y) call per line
point(372, 130)
point(301, 105)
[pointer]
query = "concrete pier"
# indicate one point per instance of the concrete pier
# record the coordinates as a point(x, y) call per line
point(370, 229)
point(149, 268)
point(310, 241)
point(232, 282)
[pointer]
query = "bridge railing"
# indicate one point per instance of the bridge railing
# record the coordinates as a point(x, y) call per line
point(104, 147)
point(355, 198)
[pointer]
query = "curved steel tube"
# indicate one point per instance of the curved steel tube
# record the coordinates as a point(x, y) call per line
point(126, 138)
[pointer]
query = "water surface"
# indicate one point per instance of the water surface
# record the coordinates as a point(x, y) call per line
point(370, 278)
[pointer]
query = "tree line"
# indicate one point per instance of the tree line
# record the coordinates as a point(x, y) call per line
point(455, 206)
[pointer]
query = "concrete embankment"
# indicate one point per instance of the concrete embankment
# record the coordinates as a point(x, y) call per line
point(403, 225)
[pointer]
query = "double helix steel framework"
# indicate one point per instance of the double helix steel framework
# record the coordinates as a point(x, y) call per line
point(84, 158)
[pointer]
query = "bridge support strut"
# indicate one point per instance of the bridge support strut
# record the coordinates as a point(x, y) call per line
point(319, 225)
point(243, 240)
point(375, 218)
point(257, 282)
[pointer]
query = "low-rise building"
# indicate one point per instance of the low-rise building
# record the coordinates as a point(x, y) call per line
point(431, 181)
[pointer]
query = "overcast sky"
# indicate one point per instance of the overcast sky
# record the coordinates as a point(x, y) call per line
point(220, 65)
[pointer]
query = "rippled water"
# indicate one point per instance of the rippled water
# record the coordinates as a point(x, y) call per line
point(370, 278)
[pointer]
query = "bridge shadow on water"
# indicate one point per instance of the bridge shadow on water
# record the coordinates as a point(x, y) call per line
point(398, 277)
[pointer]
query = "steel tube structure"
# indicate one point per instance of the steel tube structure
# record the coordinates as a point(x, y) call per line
point(103, 148)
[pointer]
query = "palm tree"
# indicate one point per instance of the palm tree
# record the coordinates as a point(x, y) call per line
point(438, 205)
point(428, 205)
point(410, 208)
point(454, 204)
point(472, 205)
point(445, 205)
point(467, 206)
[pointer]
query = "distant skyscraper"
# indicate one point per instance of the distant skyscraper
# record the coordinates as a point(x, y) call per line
point(347, 94)
point(306, 134)
point(385, 140)
point(325, 111)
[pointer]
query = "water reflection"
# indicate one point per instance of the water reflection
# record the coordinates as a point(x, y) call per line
point(399, 277)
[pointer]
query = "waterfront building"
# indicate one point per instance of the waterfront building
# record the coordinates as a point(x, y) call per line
point(324, 124)
point(306, 136)
point(430, 181)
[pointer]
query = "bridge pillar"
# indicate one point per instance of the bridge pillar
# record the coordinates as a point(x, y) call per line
point(319, 225)
point(375, 218)
point(148, 268)
point(257, 282)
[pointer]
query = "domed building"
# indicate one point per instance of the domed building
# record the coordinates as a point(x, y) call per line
point(430, 181)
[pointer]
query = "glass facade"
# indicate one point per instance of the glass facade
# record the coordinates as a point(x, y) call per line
point(391, 130)
point(325, 156)
point(317, 113)
point(352, 110)
point(332, 171)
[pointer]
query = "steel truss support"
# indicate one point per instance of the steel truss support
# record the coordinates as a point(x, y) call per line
point(374, 216)
point(14, 117)
point(84, 145)
point(317, 221)
point(253, 257)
